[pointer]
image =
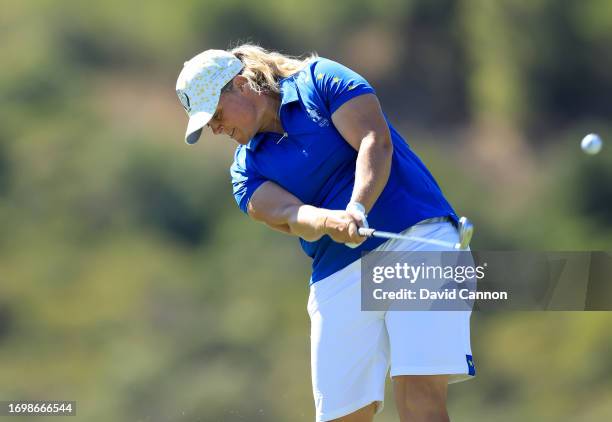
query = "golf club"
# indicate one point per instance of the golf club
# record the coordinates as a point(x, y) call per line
point(466, 230)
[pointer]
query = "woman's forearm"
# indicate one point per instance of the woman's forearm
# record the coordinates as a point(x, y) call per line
point(274, 206)
point(306, 221)
point(372, 169)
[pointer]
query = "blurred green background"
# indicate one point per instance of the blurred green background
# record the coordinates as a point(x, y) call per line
point(131, 282)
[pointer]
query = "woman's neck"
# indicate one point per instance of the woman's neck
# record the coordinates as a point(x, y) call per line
point(271, 118)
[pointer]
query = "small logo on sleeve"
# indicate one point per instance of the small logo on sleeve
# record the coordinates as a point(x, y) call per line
point(470, 364)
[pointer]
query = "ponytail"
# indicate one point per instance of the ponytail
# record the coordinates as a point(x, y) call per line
point(264, 69)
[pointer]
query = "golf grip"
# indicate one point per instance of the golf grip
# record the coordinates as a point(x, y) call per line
point(366, 232)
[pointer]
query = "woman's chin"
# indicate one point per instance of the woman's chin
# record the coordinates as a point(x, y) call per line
point(240, 140)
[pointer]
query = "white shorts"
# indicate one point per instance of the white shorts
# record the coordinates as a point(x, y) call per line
point(352, 350)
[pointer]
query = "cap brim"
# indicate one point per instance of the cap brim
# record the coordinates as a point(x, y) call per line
point(193, 137)
point(195, 126)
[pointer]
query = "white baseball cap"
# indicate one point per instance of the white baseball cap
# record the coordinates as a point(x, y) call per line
point(199, 87)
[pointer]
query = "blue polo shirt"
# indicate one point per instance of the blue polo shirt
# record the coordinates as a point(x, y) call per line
point(314, 162)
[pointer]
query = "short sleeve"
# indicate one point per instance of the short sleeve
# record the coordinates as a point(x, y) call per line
point(245, 180)
point(337, 83)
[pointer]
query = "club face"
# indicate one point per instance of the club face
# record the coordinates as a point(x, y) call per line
point(466, 230)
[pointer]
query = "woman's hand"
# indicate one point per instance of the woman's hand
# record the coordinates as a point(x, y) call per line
point(342, 226)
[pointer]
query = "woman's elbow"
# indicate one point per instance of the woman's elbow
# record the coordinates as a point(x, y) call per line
point(255, 213)
point(387, 145)
point(383, 145)
point(380, 140)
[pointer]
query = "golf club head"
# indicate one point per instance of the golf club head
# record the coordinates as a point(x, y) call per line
point(466, 230)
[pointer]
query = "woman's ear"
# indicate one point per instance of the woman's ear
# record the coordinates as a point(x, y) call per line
point(240, 82)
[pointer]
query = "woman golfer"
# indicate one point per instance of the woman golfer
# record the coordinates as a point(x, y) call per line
point(318, 159)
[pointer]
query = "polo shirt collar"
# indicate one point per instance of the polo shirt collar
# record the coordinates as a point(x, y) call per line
point(255, 140)
point(289, 91)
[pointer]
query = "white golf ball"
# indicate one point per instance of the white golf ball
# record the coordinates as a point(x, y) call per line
point(591, 144)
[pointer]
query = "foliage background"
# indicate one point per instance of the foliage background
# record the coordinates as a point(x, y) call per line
point(129, 280)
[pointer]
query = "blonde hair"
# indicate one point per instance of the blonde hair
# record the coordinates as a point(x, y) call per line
point(264, 69)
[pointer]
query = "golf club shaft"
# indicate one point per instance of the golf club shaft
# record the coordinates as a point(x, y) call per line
point(389, 235)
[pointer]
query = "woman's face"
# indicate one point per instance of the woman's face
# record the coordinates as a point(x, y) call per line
point(238, 114)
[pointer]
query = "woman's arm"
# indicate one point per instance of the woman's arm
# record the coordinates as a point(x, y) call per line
point(361, 123)
point(283, 211)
